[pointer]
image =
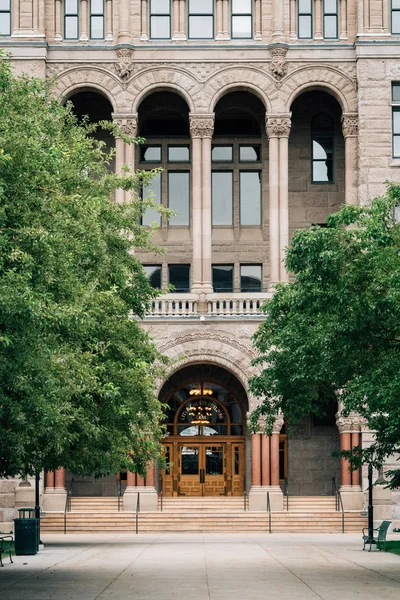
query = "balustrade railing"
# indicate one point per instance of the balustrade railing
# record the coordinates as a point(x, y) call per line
point(216, 305)
point(175, 305)
point(235, 304)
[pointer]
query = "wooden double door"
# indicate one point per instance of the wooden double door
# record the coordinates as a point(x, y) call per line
point(208, 468)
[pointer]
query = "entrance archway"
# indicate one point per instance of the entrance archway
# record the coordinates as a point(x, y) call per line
point(205, 433)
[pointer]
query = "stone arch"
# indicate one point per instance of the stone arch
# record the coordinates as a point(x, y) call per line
point(166, 79)
point(326, 78)
point(231, 79)
point(78, 79)
point(218, 348)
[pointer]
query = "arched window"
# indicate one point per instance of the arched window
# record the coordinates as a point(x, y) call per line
point(322, 140)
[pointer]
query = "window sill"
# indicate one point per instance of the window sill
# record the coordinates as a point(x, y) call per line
point(395, 162)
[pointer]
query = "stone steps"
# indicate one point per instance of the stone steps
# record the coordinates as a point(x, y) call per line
point(99, 503)
point(316, 522)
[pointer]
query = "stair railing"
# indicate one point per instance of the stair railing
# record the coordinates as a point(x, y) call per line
point(286, 492)
point(68, 504)
point(161, 500)
point(340, 505)
point(269, 513)
point(137, 511)
point(244, 501)
point(119, 493)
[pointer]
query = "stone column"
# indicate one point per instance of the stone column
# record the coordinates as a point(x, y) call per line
point(355, 475)
point(350, 134)
point(58, 22)
point(343, 19)
point(182, 20)
point(201, 129)
point(293, 20)
point(218, 20)
point(124, 153)
point(55, 494)
point(124, 31)
point(350, 490)
point(225, 20)
point(144, 16)
point(258, 20)
point(278, 130)
point(84, 21)
point(366, 15)
point(278, 33)
point(109, 21)
point(175, 19)
point(318, 24)
point(265, 460)
point(256, 459)
point(50, 480)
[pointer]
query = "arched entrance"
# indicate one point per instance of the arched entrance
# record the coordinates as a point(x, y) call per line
point(205, 433)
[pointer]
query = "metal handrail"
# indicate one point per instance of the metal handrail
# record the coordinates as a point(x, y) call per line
point(340, 505)
point(68, 504)
point(161, 500)
point(244, 501)
point(269, 513)
point(119, 493)
point(286, 492)
point(137, 512)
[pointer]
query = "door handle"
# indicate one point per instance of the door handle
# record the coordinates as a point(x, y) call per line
point(201, 475)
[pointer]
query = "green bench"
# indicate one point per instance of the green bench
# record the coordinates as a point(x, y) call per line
point(379, 539)
point(6, 545)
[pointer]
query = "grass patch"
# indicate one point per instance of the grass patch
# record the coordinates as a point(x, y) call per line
point(393, 546)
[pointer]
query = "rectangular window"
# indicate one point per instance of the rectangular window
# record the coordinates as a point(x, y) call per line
point(396, 119)
point(250, 278)
point(330, 19)
point(396, 16)
point(71, 19)
point(150, 154)
point(178, 196)
point(201, 19)
point(178, 154)
point(160, 19)
point(222, 197)
point(153, 273)
point(152, 216)
point(250, 197)
point(242, 19)
point(222, 154)
point(249, 153)
point(5, 17)
point(96, 19)
point(322, 159)
point(305, 18)
point(179, 277)
point(222, 277)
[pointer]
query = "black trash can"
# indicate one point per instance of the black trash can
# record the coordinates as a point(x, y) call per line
point(26, 532)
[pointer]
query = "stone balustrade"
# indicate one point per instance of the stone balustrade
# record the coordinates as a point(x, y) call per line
point(175, 305)
point(215, 305)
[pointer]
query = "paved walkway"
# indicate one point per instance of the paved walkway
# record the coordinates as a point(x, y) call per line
point(202, 567)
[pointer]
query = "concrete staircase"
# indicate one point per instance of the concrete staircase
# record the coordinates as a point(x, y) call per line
point(94, 504)
point(201, 515)
point(311, 503)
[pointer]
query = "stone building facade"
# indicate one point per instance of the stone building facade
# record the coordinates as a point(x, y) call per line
point(295, 100)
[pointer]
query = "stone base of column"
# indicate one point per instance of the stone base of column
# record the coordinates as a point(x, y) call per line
point(352, 497)
point(148, 498)
point(258, 498)
point(54, 499)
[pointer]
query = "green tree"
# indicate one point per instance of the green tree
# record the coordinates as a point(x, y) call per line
point(77, 372)
point(335, 330)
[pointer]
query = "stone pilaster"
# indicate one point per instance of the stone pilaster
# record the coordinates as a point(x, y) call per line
point(350, 489)
point(350, 134)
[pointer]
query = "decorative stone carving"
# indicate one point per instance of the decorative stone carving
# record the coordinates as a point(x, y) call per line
point(128, 123)
point(350, 125)
point(278, 125)
point(352, 423)
point(279, 421)
point(301, 430)
point(124, 65)
point(201, 126)
point(278, 65)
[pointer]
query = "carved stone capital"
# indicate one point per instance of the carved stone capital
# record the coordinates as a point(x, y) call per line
point(128, 123)
point(124, 64)
point(201, 126)
point(278, 65)
point(352, 423)
point(350, 125)
point(278, 125)
point(279, 421)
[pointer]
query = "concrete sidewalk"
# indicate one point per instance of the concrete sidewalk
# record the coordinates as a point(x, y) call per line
point(202, 567)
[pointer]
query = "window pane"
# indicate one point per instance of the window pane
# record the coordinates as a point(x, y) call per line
point(222, 276)
point(179, 276)
point(304, 27)
point(71, 27)
point(201, 27)
point(330, 27)
point(214, 461)
point(330, 6)
point(4, 4)
point(71, 6)
point(250, 278)
point(190, 461)
point(160, 7)
point(250, 198)
point(5, 24)
point(250, 153)
point(395, 3)
point(201, 7)
point(96, 28)
point(160, 27)
point(396, 21)
point(178, 197)
point(222, 153)
point(97, 6)
point(396, 92)
point(305, 6)
point(222, 198)
point(154, 187)
point(320, 171)
point(241, 27)
point(241, 6)
point(322, 148)
point(150, 153)
point(178, 154)
point(396, 146)
point(396, 121)
point(153, 273)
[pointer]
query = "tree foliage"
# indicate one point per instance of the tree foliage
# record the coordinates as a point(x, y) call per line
point(335, 330)
point(77, 372)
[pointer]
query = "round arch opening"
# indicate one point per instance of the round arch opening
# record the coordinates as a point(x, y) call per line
point(205, 421)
